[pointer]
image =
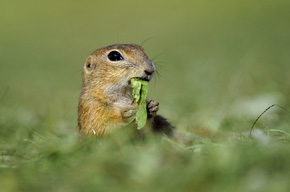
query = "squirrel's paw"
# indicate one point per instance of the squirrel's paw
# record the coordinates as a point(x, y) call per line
point(129, 113)
point(152, 108)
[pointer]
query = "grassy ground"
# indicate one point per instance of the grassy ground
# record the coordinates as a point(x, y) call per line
point(221, 65)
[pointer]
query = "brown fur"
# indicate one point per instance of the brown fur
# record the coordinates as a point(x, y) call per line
point(106, 99)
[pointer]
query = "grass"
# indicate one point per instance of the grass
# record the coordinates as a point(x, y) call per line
point(221, 64)
point(118, 163)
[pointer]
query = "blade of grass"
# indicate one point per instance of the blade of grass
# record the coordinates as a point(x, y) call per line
point(263, 114)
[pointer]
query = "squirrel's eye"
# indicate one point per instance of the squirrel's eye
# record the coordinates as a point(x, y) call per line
point(115, 56)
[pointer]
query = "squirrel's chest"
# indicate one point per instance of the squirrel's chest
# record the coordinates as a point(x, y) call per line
point(119, 95)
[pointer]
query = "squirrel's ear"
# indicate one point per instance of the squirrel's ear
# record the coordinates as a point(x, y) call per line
point(89, 64)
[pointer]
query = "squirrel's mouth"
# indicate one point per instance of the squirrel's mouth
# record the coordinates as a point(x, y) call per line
point(147, 76)
point(143, 78)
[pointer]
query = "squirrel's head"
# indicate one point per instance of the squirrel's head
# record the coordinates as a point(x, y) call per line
point(117, 64)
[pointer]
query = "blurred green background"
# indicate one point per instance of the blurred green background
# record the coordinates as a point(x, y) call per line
point(221, 64)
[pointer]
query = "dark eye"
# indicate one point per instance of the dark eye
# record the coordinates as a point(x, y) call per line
point(115, 56)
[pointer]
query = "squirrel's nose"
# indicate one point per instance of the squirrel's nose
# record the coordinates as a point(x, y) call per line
point(149, 71)
point(148, 74)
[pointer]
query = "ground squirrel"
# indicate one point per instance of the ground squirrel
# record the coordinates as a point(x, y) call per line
point(106, 100)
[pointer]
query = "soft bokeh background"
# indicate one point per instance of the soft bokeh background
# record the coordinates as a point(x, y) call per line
point(221, 64)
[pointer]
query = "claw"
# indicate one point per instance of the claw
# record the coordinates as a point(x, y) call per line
point(152, 108)
point(129, 113)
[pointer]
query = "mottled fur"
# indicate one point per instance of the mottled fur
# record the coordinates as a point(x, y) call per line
point(106, 99)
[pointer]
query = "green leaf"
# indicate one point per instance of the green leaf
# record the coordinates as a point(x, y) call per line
point(140, 89)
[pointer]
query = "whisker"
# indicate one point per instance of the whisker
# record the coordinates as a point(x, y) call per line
point(143, 42)
point(156, 57)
